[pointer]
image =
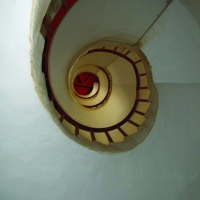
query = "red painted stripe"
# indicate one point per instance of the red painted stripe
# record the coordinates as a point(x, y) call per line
point(143, 100)
point(88, 77)
point(115, 49)
point(142, 88)
point(47, 25)
point(138, 61)
point(142, 74)
point(135, 124)
point(92, 135)
point(137, 94)
point(83, 86)
point(52, 98)
point(108, 136)
point(62, 117)
point(122, 132)
point(79, 79)
point(108, 92)
point(77, 129)
point(127, 53)
point(64, 4)
point(138, 112)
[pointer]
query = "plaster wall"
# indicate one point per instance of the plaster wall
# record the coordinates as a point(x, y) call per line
point(172, 46)
point(42, 163)
point(193, 7)
point(39, 162)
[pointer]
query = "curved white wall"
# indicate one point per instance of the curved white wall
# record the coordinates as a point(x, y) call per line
point(172, 46)
point(37, 161)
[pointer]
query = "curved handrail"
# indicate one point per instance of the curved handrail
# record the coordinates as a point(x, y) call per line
point(108, 91)
point(107, 94)
point(94, 91)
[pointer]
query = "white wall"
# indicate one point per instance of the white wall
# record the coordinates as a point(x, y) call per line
point(172, 46)
point(193, 7)
point(37, 161)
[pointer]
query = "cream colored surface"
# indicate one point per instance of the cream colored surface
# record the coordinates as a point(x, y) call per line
point(83, 68)
point(101, 138)
point(116, 136)
point(97, 99)
point(129, 128)
point(122, 72)
point(134, 56)
point(143, 81)
point(85, 134)
point(122, 97)
point(144, 93)
point(58, 114)
point(137, 118)
point(140, 68)
point(101, 59)
point(69, 126)
point(143, 106)
point(108, 45)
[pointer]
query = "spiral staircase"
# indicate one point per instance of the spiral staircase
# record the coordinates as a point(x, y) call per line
point(38, 161)
point(106, 89)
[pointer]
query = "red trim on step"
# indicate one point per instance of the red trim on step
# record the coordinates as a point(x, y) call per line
point(77, 129)
point(133, 123)
point(84, 86)
point(127, 53)
point(122, 132)
point(143, 100)
point(137, 94)
point(107, 94)
point(115, 49)
point(79, 79)
point(47, 25)
point(108, 136)
point(122, 56)
point(62, 117)
point(142, 88)
point(136, 62)
point(138, 112)
point(142, 74)
point(88, 78)
point(92, 135)
point(52, 98)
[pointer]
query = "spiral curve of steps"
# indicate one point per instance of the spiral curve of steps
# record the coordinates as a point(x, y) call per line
point(116, 107)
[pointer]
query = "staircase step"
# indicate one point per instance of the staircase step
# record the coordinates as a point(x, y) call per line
point(137, 118)
point(129, 128)
point(101, 138)
point(143, 106)
point(116, 135)
point(144, 93)
point(85, 134)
